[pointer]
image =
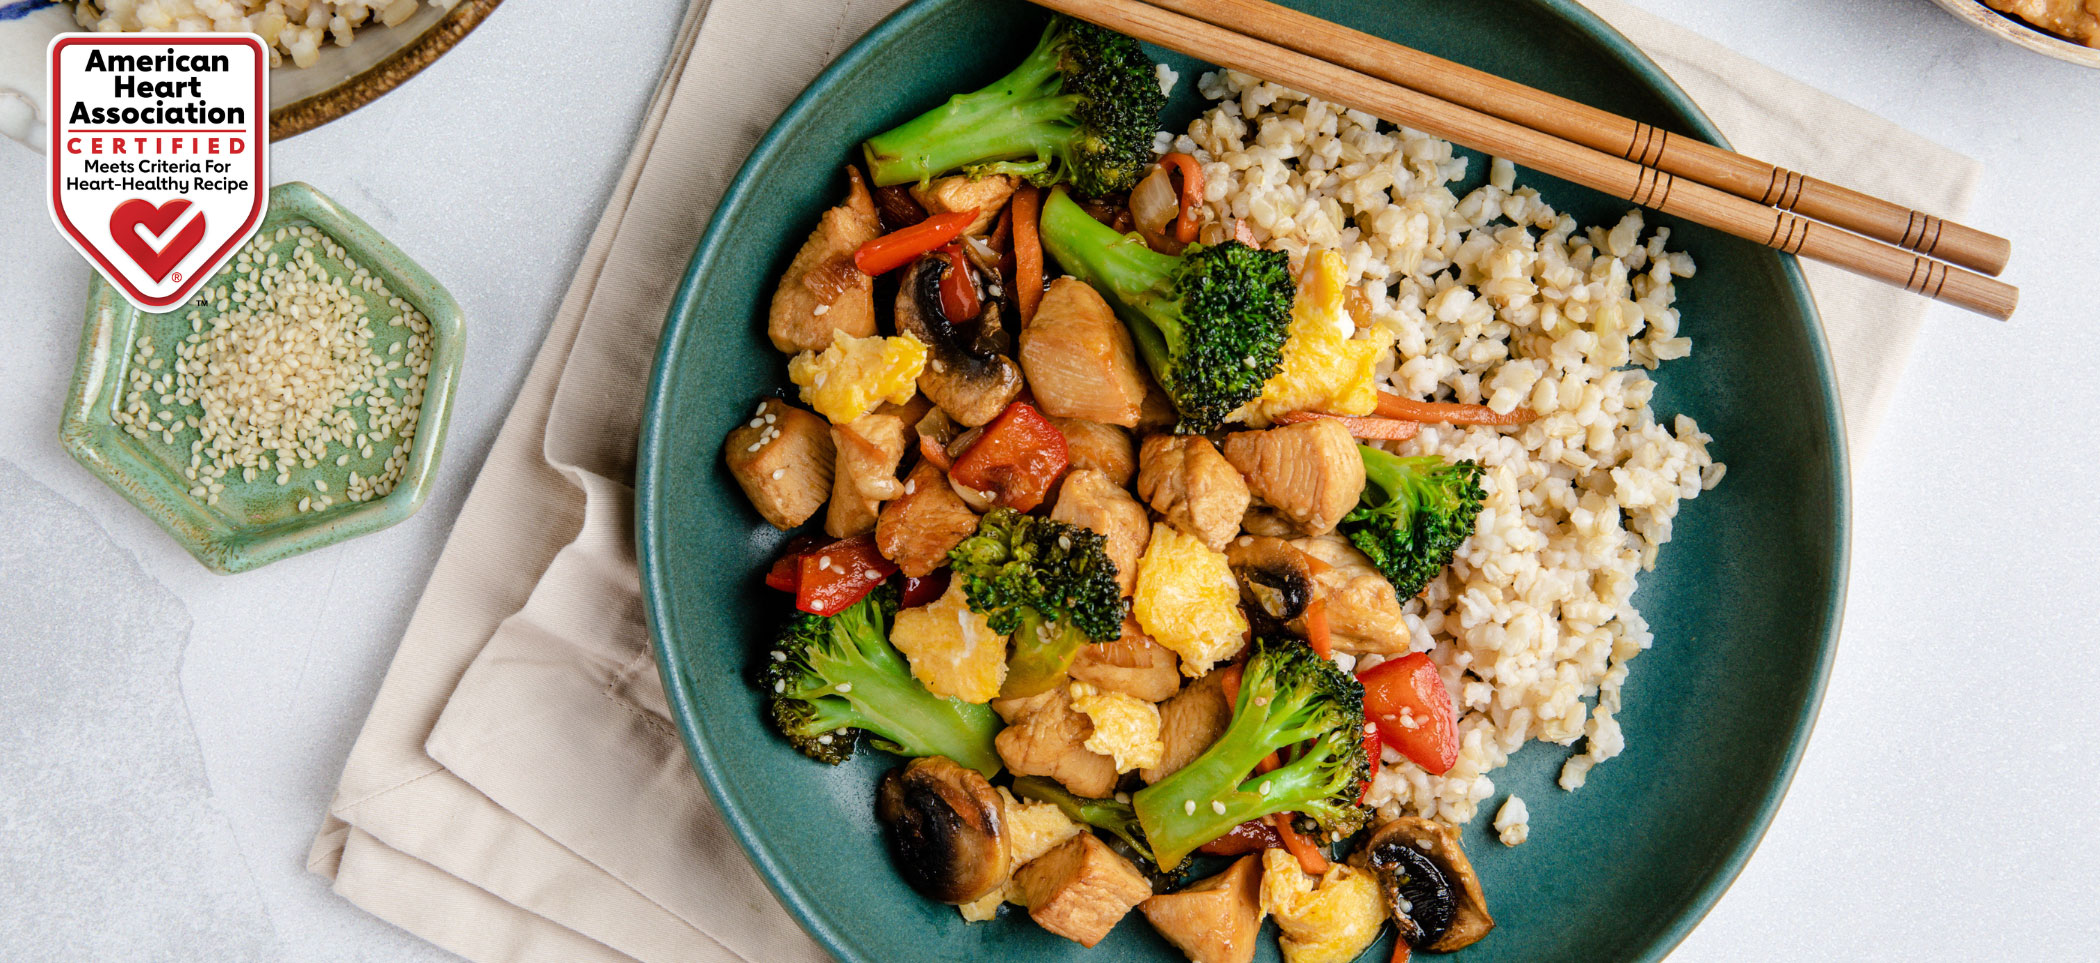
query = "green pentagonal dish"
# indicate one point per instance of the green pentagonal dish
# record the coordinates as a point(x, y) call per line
point(1744, 603)
point(254, 523)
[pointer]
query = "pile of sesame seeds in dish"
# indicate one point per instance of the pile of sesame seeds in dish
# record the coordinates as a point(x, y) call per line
point(1492, 298)
point(296, 358)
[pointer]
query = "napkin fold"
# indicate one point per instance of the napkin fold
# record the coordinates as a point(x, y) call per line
point(519, 792)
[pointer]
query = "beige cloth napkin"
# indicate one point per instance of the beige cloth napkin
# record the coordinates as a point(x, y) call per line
point(519, 793)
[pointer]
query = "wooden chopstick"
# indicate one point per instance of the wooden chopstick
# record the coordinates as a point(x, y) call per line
point(1548, 154)
point(1604, 131)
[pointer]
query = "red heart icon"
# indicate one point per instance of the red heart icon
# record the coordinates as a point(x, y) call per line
point(124, 224)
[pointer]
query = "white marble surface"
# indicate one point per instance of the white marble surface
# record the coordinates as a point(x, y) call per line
point(172, 736)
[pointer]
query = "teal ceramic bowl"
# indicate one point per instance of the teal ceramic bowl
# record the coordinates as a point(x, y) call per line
point(254, 523)
point(1744, 602)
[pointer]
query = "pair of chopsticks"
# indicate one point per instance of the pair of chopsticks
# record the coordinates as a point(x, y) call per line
point(1677, 175)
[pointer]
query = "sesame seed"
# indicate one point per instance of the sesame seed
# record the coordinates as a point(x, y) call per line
point(1189, 808)
point(823, 561)
point(845, 687)
point(1265, 787)
point(778, 472)
point(1217, 807)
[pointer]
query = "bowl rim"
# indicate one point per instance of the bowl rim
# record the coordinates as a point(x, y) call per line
point(391, 71)
point(649, 521)
point(111, 325)
point(2014, 30)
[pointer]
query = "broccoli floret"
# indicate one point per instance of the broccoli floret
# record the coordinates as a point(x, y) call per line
point(829, 678)
point(1048, 584)
point(1211, 323)
point(1082, 109)
point(1413, 515)
point(1288, 696)
point(1108, 815)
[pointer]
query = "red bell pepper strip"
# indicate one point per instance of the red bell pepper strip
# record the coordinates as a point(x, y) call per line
point(920, 590)
point(1191, 195)
point(959, 299)
point(899, 248)
point(1407, 699)
point(1017, 458)
point(1251, 836)
point(786, 573)
point(839, 574)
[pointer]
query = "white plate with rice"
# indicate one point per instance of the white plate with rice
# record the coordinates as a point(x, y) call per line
point(329, 56)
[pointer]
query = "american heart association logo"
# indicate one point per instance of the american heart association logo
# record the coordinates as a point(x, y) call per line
point(152, 249)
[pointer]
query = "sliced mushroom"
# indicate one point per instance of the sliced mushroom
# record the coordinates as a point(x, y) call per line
point(1276, 580)
point(946, 829)
point(967, 371)
point(1428, 883)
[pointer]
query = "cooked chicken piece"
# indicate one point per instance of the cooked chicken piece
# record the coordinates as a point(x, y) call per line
point(909, 412)
point(1079, 359)
point(822, 292)
point(1185, 479)
point(1310, 471)
point(1261, 520)
point(1094, 501)
point(1363, 614)
point(1188, 723)
point(1013, 709)
point(1103, 448)
point(1081, 889)
point(868, 451)
point(782, 456)
point(919, 526)
point(1156, 412)
point(1133, 665)
point(1051, 741)
point(961, 192)
point(1216, 920)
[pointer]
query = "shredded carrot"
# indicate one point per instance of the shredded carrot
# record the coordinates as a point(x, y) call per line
point(1402, 953)
point(1191, 195)
point(933, 451)
point(1316, 633)
point(1242, 233)
point(1028, 251)
point(1269, 763)
point(1448, 413)
point(1380, 429)
point(1001, 228)
point(1309, 856)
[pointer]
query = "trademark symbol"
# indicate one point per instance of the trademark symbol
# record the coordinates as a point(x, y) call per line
point(177, 276)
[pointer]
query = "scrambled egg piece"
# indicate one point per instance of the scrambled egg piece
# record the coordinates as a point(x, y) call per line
point(953, 651)
point(1324, 368)
point(1331, 919)
point(855, 375)
point(1187, 600)
point(1032, 829)
point(1125, 727)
